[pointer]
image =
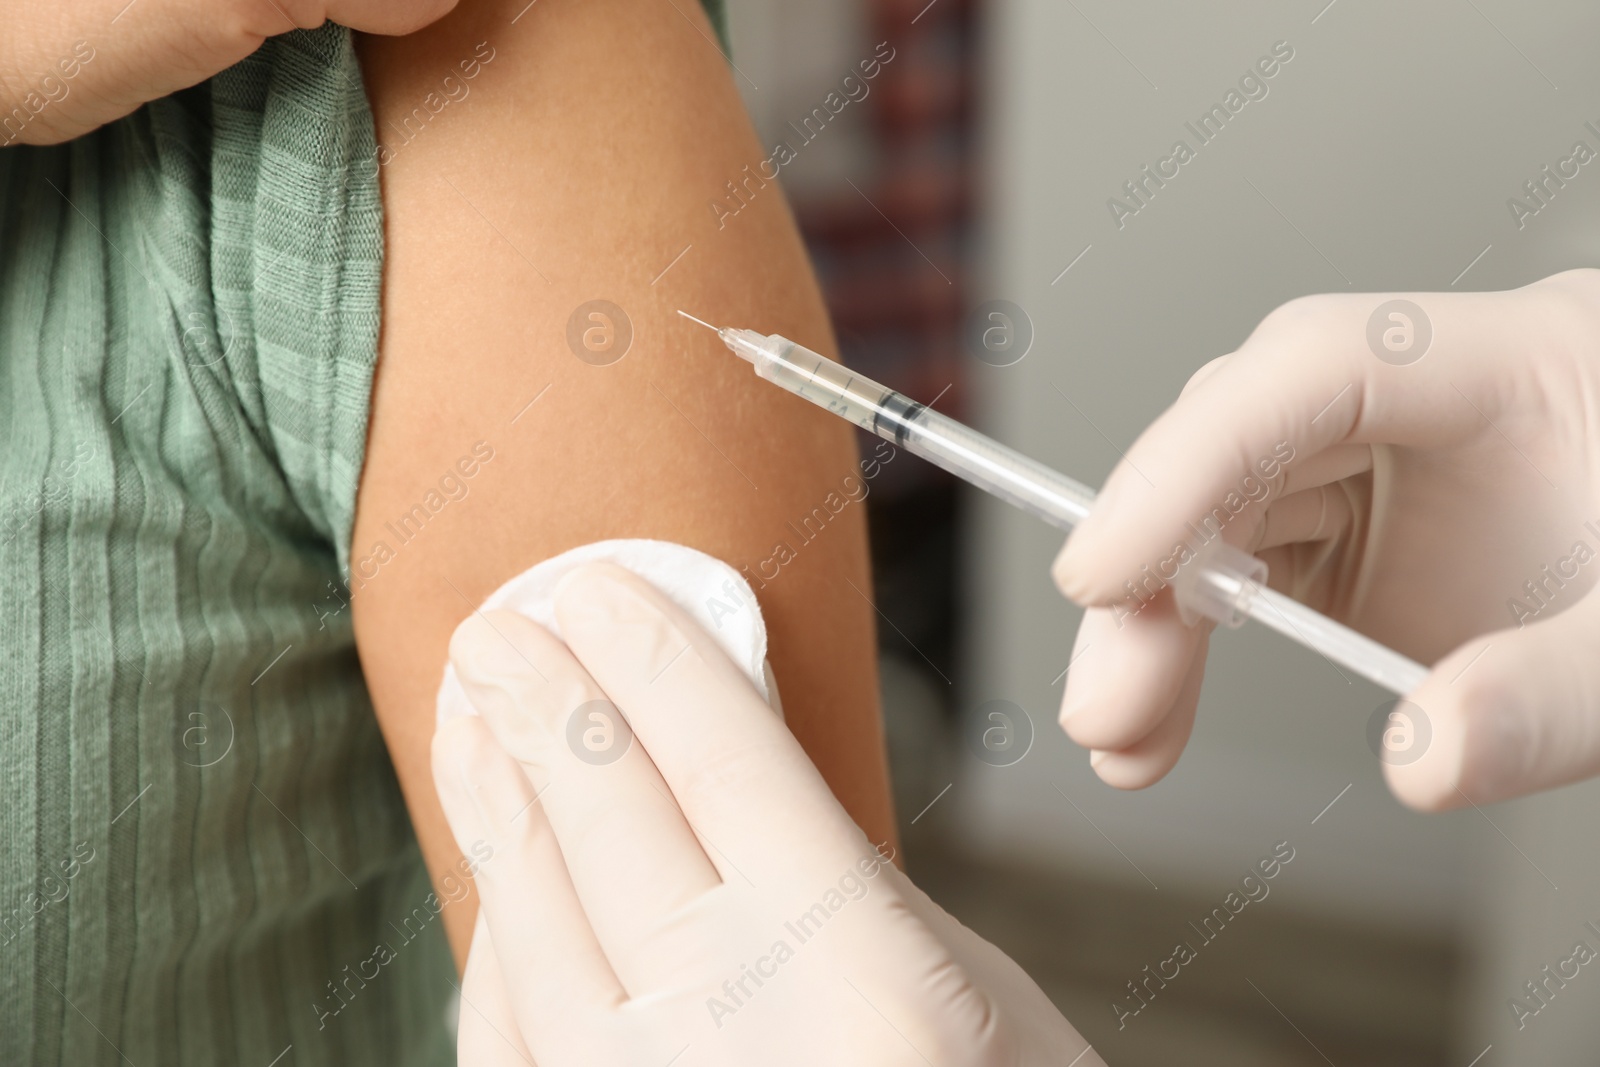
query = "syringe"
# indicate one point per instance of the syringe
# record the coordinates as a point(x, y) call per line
point(1220, 582)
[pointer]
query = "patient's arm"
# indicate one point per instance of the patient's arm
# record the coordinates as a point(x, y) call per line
point(578, 163)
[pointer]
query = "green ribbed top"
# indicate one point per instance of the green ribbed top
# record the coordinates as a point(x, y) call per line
point(202, 842)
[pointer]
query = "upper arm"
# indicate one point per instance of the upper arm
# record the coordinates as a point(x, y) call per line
point(579, 163)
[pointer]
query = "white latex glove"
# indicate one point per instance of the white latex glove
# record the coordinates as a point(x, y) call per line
point(1422, 495)
point(703, 899)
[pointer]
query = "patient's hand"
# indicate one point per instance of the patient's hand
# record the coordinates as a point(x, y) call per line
point(702, 899)
point(66, 69)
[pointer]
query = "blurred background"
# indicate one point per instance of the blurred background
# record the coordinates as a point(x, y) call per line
point(980, 166)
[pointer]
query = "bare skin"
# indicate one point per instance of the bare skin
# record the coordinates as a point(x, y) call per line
point(66, 70)
point(579, 165)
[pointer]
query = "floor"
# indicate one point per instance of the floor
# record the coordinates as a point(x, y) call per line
point(1279, 991)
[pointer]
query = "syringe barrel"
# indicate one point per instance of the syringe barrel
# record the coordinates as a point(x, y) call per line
point(1019, 480)
point(1218, 585)
point(1220, 582)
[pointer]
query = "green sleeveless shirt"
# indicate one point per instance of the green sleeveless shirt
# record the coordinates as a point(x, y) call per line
point(204, 855)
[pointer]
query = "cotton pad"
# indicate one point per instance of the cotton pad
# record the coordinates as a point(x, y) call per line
point(710, 591)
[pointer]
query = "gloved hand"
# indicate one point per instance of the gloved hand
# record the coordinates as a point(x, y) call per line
point(1425, 474)
point(701, 899)
point(66, 69)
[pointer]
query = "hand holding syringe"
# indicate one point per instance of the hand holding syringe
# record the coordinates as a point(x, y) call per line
point(1221, 582)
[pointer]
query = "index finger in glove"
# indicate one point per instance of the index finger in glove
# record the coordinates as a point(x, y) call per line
point(632, 857)
point(1317, 373)
point(741, 778)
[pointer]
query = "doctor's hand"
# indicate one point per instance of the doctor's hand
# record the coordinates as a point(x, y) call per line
point(66, 69)
point(700, 898)
point(1419, 466)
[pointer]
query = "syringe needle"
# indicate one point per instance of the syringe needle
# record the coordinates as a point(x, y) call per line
point(702, 322)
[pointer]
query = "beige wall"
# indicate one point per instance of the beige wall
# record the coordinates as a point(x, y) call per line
point(1389, 146)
